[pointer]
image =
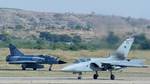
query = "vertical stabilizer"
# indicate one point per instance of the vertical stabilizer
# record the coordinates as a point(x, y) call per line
point(14, 51)
point(123, 50)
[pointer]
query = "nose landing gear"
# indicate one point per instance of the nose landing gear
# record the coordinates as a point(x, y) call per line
point(80, 75)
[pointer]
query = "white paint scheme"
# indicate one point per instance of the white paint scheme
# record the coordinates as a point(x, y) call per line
point(116, 61)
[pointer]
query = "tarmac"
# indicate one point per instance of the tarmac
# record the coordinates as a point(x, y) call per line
point(73, 80)
point(128, 76)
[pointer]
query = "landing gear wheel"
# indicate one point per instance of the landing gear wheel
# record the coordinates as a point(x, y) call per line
point(112, 77)
point(23, 67)
point(79, 77)
point(95, 76)
point(34, 68)
point(50, 68)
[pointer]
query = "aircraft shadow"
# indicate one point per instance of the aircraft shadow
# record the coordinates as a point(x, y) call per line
point(87, 78)
point(20, 70)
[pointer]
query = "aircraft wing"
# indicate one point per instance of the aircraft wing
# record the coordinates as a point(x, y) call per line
point(22, 62)
point(131, 63)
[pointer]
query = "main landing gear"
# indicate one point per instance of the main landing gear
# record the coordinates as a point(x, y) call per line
point(50, 67)
point(23, 67)
point(112, 76)
point(34, 69)
point(95, 76)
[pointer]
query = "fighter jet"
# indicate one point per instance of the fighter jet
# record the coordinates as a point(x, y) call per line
point(31, 61)
point(116, 61)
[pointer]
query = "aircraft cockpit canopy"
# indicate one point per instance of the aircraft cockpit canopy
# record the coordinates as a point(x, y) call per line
point(82, 60)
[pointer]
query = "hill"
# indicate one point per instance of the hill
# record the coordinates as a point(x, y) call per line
point(69, 31)
point(25, 24)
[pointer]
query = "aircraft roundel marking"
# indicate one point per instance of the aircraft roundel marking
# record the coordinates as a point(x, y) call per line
point(125, 46)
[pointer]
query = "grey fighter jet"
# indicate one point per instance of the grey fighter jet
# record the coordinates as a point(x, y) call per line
point(116, 61)
point(31, 61)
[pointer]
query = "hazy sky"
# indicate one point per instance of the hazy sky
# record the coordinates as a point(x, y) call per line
point(133, 8)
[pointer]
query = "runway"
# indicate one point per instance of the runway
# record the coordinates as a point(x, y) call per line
point(128, 76)
point(72, 80)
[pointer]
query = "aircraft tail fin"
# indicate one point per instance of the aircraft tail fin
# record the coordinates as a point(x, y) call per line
point(14, 51)
point(123, 50)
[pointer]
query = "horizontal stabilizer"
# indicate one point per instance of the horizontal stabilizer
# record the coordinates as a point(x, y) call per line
point(126, 63)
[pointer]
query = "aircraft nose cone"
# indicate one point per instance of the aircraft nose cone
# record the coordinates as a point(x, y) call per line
point(61, 62)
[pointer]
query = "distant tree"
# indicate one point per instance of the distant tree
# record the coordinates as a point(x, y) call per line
point(74, 47)
point(3, 37)
point(148, 27)
point(89, 26)
point(57, 15)
point(78, 26)
point(59, 38)
point(19, 27)
point(65, 38)
point(39, 43)
point(142, 42)
point(112, 38)
point(76, 39)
